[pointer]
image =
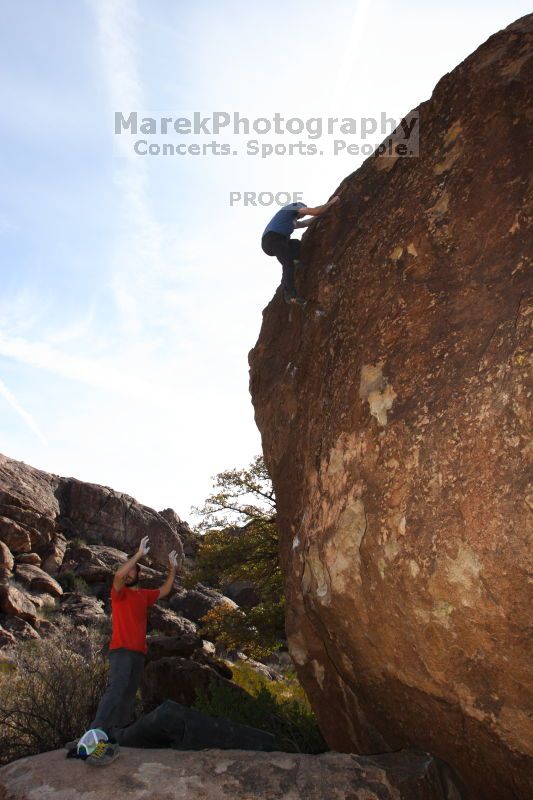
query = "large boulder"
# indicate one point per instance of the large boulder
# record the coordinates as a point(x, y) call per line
point(94, 563)
point(6, 557)
point(14, 536)
point(194, 603)
point(214, 774)
point(37, 579)
point(168, 621)
point(54, 554)
point(28, 558)
point(16, 630)
point(183, 645)
point(190, 539)
point(83, 609)
point(27, 489)
point(395, 418)
point(14, 600)
point(176, 678)
point(38, 521)
point(244, 593)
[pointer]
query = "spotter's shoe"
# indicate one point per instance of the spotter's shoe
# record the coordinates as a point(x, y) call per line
point(103, 754)
point(86, 744)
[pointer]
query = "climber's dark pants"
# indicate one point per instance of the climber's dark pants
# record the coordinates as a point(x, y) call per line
point(183, 728)
point(116, 706)
point(286, 251)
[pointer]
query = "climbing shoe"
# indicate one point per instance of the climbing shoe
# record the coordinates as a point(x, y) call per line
point(292, 298)
point(103, 754)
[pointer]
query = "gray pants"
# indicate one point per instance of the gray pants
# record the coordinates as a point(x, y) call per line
point(116, 706)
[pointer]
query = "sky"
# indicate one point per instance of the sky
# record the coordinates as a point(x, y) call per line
point(133, 283)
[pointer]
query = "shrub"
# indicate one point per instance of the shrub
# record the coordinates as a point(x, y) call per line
point(280, 707)
point(77, 541)
point(51, 692)
point(48, 612)
point(253, 631)
point(70, 582)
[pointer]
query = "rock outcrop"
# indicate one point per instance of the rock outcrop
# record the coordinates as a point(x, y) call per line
point(395, 414)
point(36, 507)
point(190, 539)
point(178, 679)
point(51, 526)
point(194, 603)
point(157, 774)
point(58, 526)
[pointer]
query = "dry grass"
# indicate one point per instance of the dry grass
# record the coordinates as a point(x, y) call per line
point(50, 693)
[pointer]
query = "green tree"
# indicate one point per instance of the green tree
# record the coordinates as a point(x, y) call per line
point(240, 496)
point(240, 543)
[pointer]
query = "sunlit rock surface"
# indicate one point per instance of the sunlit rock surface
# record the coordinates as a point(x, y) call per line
point(395, 414)
point(157, 774)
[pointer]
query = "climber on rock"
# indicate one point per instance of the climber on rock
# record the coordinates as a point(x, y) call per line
point(127, 649)
point(276, 241)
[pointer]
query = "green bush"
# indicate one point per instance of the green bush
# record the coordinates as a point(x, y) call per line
point(77, 542)
point(248, 554)
point(70, 582)
point(280, 707)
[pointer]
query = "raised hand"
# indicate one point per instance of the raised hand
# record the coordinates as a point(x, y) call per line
point(173, 559)
point(144, 547)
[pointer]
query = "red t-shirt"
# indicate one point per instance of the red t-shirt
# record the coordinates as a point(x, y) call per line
point(128, 609)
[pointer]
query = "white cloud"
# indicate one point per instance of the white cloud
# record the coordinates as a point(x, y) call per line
point(147, 266)
point(10, 398)
point(102, 373)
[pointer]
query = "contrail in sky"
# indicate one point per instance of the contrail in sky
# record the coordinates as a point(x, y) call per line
point(15, 405)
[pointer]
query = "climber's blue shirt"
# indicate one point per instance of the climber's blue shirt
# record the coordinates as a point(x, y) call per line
point(283, 221)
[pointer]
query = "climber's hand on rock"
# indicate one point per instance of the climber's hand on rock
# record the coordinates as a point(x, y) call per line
point(333, 200)
point(173, 559)
point(144, 547)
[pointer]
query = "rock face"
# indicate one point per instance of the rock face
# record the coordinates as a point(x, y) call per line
point(43, 517)
point(189, 538)
point(394, 421)
point(69, 506)
point(75, 531)
point(158, 774)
